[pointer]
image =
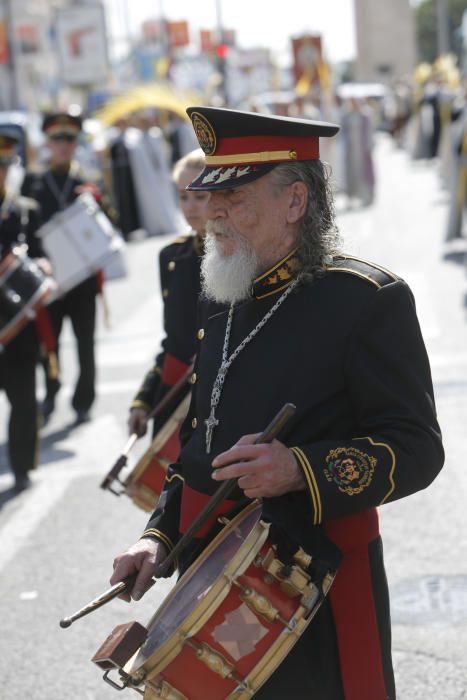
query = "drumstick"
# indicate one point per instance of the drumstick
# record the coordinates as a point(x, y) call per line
point(223, 491)
point(156, 411)
point(110, 594)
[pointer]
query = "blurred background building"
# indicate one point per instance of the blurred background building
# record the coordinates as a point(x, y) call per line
point(48, 49)
point(386, 40)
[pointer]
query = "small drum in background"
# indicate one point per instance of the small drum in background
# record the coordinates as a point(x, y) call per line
point(226, 625)
point(145, 483)
point(79, 241)
point(23, 289)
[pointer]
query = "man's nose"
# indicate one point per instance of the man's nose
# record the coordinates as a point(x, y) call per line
point(215, 205)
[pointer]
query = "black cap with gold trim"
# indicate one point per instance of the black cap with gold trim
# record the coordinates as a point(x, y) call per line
point(8, 145)
point(243, 146)
point(61, 125)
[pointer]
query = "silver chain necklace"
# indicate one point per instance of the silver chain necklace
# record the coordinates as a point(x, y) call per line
point(212, 422)
point(61, 195)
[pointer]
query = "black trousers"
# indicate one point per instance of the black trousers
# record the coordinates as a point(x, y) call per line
point(18, 378)
point(79, 304)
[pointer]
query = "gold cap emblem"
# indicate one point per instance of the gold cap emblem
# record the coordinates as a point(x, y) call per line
point(204, 133)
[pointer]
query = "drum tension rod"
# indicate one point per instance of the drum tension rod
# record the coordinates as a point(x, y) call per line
point(261, 605)
point(217, 663)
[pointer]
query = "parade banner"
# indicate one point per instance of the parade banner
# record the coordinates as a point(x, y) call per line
point(82, 44)
point(307, 54)
point(177, 34)
point(3, 44)
point(27, 33)
point(209, 39)
point(152, 30)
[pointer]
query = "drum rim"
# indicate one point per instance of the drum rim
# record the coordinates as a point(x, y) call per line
point(33, 303)
point(212, 600)
point(9, 269)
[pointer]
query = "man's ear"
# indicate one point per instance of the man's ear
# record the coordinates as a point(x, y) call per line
point(297, 202)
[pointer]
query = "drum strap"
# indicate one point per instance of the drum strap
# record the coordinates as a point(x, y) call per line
point(61, 195)
point(355, 616)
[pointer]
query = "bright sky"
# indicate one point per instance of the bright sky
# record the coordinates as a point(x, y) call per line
point(258, 23)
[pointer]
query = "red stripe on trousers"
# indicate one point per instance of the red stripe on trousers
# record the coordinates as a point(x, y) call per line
point(45, 330)
point(353, 608)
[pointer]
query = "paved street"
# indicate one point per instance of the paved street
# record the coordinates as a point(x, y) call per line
point(58, 539)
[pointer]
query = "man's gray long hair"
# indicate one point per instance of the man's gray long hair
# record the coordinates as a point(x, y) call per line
point(318, 237)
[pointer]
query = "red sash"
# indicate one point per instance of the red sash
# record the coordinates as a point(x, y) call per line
point(355, 615)
point(192, 503)
point(172, 369)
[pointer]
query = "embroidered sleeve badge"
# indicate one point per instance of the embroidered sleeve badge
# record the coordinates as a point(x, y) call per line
point(350, 469)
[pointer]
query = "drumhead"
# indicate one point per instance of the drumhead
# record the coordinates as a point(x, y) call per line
point(195, 584)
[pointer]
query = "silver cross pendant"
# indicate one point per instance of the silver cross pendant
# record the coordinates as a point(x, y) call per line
point(210, 424)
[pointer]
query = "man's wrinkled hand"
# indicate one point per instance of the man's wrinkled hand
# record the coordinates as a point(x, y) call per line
point(264, 470)
point(138, 421)
point(142, 557)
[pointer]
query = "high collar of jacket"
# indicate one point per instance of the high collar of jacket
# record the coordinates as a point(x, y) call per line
point(276, 278)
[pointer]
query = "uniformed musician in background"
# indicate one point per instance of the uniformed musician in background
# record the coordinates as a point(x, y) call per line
point(179, 269)
point(339, 338)
point(55, 189)
point(18, 358)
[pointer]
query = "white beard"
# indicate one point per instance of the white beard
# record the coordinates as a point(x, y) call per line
point(227, 279)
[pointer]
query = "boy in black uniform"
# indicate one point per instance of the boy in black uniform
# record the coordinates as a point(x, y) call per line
point(54, 190)
point(18, 221)
point(179, 266)
point(339, 338)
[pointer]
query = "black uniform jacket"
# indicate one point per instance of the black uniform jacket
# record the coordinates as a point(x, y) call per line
point(19, 219)
point(37, 185)
point(179, 266)
point(347, 350)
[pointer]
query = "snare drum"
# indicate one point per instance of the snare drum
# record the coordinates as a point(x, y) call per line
point(226, 625)
point(145, 483)
point(79, 241)
point(23, 289)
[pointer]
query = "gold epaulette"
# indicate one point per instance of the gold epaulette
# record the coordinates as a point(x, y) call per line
point(180, 239)
point(36, 169)
point(370, 272)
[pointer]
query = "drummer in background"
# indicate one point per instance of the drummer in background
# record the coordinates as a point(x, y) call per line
point(179, 265)
point(55, 189)
point(18, 221)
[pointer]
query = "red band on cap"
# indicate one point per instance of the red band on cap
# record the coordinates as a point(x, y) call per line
point(305, 147)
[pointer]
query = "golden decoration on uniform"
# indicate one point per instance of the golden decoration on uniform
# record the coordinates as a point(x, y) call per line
point(350, 469)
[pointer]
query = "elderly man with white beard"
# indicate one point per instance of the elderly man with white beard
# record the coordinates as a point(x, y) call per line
point(339, 338)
